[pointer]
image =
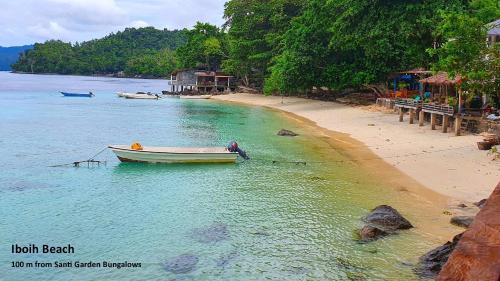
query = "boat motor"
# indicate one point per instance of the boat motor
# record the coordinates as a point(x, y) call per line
point(233, 147)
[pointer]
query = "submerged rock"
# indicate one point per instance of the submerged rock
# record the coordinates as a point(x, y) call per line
point(22, 185)
point(462, 221)
point(480, 204)
point(432, 262)
point(181, 264)
point(212, 233)
point(225, 260)
point(387, 219)
point(368, 233)
point(287, 133)
point(298, 270)
point(382, 221)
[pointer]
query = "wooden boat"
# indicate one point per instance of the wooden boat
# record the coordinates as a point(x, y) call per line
point(201, 97)
point(78, 95)
point(174, 154)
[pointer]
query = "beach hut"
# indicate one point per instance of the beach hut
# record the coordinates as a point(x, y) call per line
point(442, 97)
point(406, 84)
point(493, 33)
point(201, 81)
point(404, 87)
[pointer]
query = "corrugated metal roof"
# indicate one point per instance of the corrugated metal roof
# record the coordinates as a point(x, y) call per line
point(494, 28)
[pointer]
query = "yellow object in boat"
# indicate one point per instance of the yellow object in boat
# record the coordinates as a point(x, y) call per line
point(136, 146)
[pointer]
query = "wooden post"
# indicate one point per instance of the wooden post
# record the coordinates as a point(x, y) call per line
point(458, 125)
point(459, 100)
point(412, 116)
point(401, 113)
point(421, 118)
point(433, 121)
point(445, 123)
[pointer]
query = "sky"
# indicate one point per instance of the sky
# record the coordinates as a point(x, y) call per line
point(25, 22)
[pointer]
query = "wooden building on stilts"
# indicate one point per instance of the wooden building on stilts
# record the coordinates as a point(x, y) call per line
point(201, 81)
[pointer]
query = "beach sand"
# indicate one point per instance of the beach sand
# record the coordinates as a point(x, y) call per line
point(447, 164)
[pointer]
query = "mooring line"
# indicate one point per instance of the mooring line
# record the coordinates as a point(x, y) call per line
point(91, 160)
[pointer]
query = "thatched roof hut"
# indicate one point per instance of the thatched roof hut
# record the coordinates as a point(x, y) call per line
point(442, 78)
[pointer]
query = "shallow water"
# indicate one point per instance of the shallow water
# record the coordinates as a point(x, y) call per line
point(254, 220)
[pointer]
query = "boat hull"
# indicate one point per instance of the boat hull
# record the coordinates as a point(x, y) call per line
point(148, 156)
point(76, 95)
point(140, 97)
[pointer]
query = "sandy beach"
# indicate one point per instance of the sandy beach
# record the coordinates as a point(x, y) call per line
point(447, 164)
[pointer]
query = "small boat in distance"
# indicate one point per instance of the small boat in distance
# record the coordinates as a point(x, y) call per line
point(78, 95)
point(174, 154)
point(139, 96)
point(200, 97)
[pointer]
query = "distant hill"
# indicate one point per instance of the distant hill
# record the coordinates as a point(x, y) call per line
point(9, 55)
point(130, 51)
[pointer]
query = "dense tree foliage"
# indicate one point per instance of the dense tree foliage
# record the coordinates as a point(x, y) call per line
point(293, 46)
point(255, 31)
point(152, 64)
point(464, 51)
point(354, 43)
point(123, 51)
point(205, 48)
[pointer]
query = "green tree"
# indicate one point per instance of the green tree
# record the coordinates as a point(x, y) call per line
point(154, 64)
point(354, 43)
point(255, 30)
point(204, 47)
point(464, 50)
point(110, 54)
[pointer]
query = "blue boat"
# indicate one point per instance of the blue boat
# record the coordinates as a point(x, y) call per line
point(89, 95)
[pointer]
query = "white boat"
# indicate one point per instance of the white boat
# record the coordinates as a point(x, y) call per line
point(201, 97)
point(174, 154)
point(123, 94)
point(141, 96)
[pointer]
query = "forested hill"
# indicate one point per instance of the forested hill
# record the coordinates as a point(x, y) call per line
point(143, 51)
point(9, 55)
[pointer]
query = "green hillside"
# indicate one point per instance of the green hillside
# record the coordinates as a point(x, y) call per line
point(144, 52)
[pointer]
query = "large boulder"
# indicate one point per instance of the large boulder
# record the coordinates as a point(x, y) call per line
point(287, 133)
point(462, 221)
point(381, 221)
point(432, 262)
point(477, 254)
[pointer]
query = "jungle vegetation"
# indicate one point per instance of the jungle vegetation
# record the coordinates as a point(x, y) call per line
point(292, 46)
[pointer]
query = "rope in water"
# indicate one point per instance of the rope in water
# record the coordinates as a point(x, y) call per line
point(91, 160)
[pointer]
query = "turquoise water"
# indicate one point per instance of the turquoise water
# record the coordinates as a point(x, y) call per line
point(280, 221)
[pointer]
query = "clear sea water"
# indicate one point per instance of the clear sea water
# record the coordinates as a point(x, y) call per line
point(282, 221)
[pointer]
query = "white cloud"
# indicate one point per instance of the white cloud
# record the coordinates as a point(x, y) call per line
point(48, 30)
point(29, 21)
point(139, 24)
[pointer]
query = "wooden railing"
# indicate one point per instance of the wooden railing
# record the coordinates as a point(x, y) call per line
point(408, 103)
point(442, 109)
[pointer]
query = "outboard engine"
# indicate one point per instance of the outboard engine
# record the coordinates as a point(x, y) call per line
point(233, 147)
